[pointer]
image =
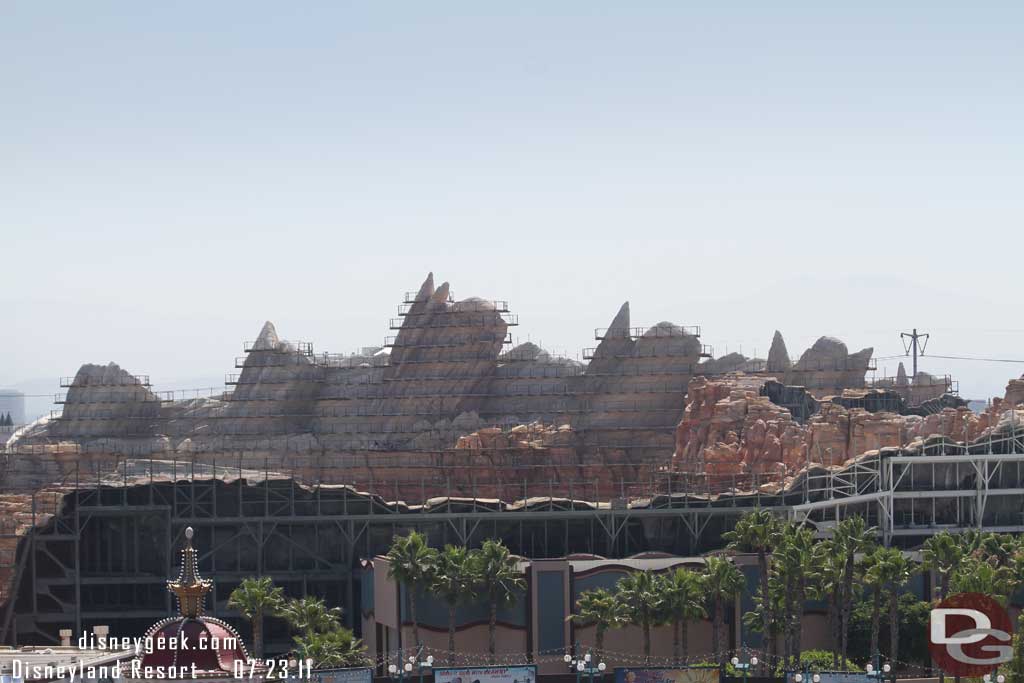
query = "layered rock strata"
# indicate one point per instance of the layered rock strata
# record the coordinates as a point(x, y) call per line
point(447, 372)
point(734, 432)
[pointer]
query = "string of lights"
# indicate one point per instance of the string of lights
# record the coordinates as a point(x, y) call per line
point(439, 658)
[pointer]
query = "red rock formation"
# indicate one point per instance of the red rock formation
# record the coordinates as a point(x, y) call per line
point(1014, 393)
point(728, 429)
point(731, 435)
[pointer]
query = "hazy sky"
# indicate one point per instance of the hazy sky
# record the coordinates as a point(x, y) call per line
point(174, 174)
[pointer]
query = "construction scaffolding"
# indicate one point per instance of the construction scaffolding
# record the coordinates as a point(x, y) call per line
point(310, 461)
point(95, 549)
point(948, 486)
point(92, 548)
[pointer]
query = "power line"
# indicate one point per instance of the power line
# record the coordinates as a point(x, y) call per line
point(988, 360)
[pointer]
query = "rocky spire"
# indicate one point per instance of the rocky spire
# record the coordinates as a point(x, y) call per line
point(620, 324)
point(267, 341)
point(901, 376)
point(426, 289)
point(778, 356)
point(189, 587)
point(441, 295)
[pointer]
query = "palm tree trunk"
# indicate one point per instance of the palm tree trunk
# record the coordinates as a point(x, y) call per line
point(943, 588)
point(685, 638)
point(647, 642)
point(412, 615)
point(257, 634)
point(789, 603)
point(451, 635)
point(492, 628)
point(833, 626)
point(599, 638)
point(876, 617)
point(766, 613)
point(716, 630)
point(787, 629)
point(894, 626)
point(847, 605)
point(675, 641)
point(798, 626)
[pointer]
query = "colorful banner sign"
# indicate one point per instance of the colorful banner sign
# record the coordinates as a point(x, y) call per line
point(666, 675)
point(832, 677)
point(487, 674)
point(363, 675)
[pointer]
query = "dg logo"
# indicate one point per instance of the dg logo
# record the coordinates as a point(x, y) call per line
point(970, 635)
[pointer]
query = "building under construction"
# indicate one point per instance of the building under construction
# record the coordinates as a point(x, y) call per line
point(307, 463)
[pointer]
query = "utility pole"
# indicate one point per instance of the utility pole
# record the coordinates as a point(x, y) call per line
point(917, 344)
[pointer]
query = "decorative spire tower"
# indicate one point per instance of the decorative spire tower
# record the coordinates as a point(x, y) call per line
point(189, 587)
point(209, 647)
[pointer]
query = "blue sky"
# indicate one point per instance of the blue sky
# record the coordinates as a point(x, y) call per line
point(173, 174)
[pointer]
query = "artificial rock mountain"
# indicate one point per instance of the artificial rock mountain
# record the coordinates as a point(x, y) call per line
point(447, 407)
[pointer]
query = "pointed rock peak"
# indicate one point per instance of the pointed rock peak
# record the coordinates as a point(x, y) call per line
point(901, 376)
point(864, 355)
point(620, 324)
point(268, 338)
point(778, 356)
point(426, 289)
point(441, 294)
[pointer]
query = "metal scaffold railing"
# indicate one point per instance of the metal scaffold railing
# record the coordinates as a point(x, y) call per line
point(945, 485)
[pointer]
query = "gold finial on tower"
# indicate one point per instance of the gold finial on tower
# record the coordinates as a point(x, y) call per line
point(190, 588)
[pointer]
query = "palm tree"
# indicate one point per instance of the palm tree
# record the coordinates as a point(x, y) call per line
point(899, 571)
point(335, 648)
point(722, 582)
point(455, 582)
point(601, 608)
point(942, 554)
point(683, 592)
point(499, 579)
point(999, 549)
point(977, 575)
point(255, 598)
point(1016, 665)
point(851, 536)
point(874, 578)
point(831, 563)
point(756, 532)
point(971, 540)
point(412, 562)
point(754, 619)
point(794, 569)
point(310, 615)
point(642, 603)
point(888, 570)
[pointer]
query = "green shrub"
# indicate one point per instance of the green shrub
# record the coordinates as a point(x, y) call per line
point(819, 660)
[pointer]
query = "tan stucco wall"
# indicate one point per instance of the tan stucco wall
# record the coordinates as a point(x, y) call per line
point(631, 640)
point(508, 640)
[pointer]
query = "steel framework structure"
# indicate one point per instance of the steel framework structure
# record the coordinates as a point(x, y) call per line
point(99, 548)
point(948, 486)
